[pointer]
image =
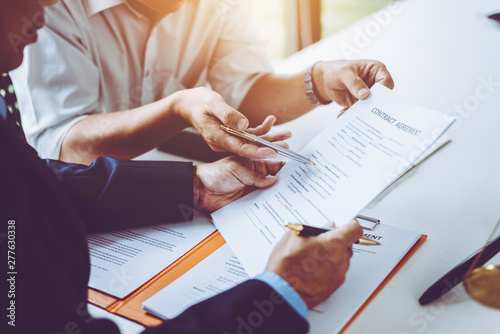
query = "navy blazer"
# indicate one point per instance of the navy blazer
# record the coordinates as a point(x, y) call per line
point(44, 221)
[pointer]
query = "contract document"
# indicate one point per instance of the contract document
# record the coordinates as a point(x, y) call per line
point(355, 158)
point(122, 261)
point(220, 271)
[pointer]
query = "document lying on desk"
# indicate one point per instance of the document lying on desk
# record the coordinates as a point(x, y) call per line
point(221, 271)
point(355, 158)
point(124, 260)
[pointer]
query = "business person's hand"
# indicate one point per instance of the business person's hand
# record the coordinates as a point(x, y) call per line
point(222, 182)
point(315, 266)
point(205, 110)
point(346, 81)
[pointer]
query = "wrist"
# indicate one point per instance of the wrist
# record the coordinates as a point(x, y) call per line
point(285, 289)
point(318, 83)
point(177, 107)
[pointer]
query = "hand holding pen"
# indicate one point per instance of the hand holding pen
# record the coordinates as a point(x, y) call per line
point(311, 231)
point(262, 142)
point(206, 110)
point(315, 267)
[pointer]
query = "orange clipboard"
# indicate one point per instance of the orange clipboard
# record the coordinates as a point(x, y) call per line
point(130, 307)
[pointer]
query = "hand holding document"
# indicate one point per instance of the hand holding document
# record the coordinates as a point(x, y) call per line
point(355, 159)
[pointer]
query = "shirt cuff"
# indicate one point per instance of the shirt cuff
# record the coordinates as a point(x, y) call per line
point(283, 288)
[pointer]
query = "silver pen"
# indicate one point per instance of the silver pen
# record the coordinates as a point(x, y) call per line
point(280, 150)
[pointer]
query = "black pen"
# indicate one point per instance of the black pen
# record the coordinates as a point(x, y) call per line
point(311, 231)
point(456, 275)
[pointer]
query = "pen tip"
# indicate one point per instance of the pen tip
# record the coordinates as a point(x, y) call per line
point(424, 299)
point(311, 163)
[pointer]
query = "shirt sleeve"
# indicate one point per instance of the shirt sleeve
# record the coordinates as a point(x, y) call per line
point(128, 194)
point(284, 289)
point(58, 82)
point(240, 56)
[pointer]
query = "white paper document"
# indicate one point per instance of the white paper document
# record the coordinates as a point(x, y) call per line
point(219, 272)
point(368, 268)
point(124, 260)
point(355, 158)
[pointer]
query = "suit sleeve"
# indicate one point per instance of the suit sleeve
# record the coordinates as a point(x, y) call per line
point(113, 194)
point(250, 307)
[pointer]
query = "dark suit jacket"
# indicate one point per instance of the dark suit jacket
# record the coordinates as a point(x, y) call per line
point(44, 225)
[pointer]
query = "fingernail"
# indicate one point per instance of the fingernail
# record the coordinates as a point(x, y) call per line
point(271, 154)
point(363, 92)
point(242, 124)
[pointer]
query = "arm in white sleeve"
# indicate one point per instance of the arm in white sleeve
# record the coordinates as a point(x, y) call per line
point(58, 82)
point(240, 57)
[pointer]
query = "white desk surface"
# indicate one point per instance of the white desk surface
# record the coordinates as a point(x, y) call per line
point(439, 52)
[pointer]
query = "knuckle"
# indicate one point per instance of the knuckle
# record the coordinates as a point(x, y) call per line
point(355, 81)
point(201, 91)
point(226, 115)
point(238, 150)
point(345, 70)
point(216, 148)
point(211, 140)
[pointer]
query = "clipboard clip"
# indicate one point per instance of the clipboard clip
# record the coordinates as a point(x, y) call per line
point(368, 223)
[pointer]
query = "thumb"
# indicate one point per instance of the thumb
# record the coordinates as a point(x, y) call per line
point(265, 181)
point(254, 178)
point(356, 86)
point(331, 225)
point(231, 117)
point(350, 232)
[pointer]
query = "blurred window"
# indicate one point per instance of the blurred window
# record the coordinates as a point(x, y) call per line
point(291, 25)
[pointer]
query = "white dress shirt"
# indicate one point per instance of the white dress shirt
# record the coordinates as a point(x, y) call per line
point(100, 56)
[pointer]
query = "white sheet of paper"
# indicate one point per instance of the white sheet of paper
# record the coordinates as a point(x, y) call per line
point(369, 266)
point(356, 158)
point(220, 271)
point(124, 260)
